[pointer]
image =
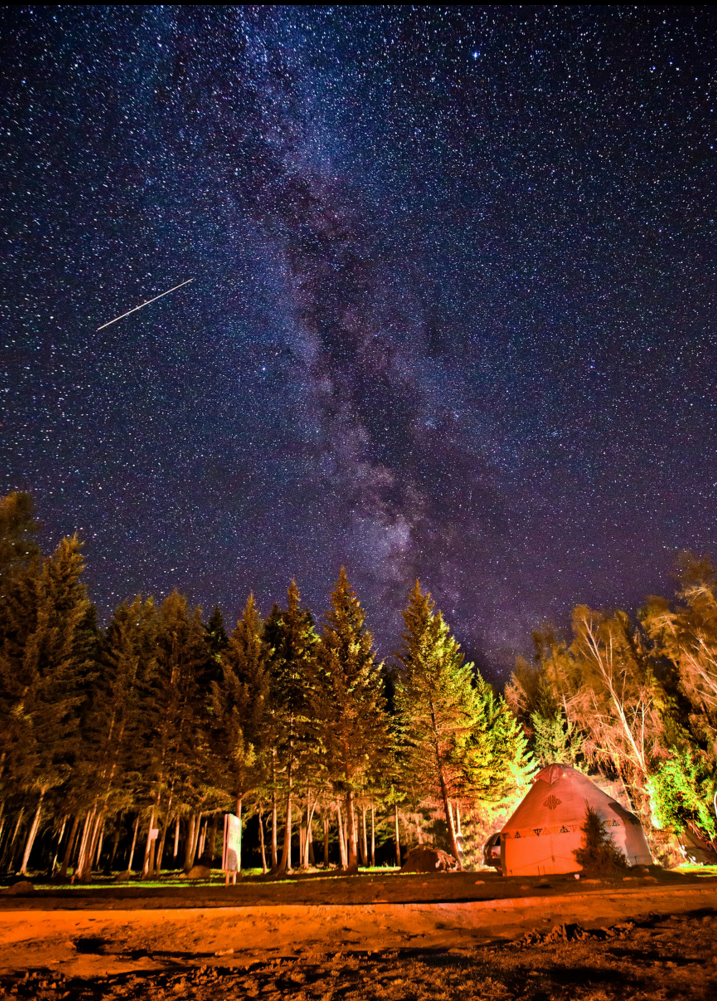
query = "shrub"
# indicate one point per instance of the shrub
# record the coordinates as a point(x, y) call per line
point(598, 853)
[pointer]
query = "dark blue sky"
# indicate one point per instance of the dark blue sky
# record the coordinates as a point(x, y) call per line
point(453, 312)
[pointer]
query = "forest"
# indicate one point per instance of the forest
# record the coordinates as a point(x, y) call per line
point(122, 746)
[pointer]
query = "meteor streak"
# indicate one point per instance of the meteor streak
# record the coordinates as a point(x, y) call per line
point(135, 308)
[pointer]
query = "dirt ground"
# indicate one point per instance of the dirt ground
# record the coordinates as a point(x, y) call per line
point(468, 935)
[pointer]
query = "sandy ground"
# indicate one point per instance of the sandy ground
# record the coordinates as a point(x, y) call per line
point(639, 938)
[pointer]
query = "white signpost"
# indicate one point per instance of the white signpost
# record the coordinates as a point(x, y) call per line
point(232, 847)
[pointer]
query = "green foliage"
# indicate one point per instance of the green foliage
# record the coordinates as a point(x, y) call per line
point(455, 732)
point(347, 710)
point(17, 536)
point(555, 737)
point(240, 703)
point(682, 792)
point(598, 855)
point(347, 705)
point(439, 714)
point(44, 670)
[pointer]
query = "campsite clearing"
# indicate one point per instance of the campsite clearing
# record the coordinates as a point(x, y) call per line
point(395, 936)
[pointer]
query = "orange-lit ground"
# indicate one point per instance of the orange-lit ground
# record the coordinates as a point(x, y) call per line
point(186, 942)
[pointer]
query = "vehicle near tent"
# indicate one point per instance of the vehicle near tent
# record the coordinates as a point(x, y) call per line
point(491, 852)
point(544, 831)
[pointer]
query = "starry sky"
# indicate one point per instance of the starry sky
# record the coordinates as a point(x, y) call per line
point(452, 314)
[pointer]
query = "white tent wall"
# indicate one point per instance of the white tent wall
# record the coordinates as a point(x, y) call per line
point(542, 834)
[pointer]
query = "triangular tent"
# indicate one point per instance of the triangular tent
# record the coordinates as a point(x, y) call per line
point(543, 832)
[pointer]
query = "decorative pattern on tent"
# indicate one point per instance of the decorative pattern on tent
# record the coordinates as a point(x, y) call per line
point(537, 832)
point(551, 802)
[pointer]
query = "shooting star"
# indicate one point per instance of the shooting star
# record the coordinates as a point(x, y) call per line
point(135, 308)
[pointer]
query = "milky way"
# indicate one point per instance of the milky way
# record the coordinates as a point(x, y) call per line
point(453, 310)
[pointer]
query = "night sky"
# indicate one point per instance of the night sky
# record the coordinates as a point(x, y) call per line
point(452, 314)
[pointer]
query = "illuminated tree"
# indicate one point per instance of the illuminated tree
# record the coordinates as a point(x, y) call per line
point(540, 707)
point(348, 711)
point(439, 715)
point(174, 758)
point(44, 668)
point(291, 641)
point(240, 702)
point(106, 782)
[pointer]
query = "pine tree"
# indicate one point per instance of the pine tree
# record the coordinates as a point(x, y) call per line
point(291, 641)
point(108, 784)
point(240, 704)
point(598, 854)
point(439, 715)
point(174, 757)
point(555, 737)
point(348, 705)
point(18, 549)
point(45, 668)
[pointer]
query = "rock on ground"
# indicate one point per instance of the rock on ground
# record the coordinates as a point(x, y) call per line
point(199, 872)
point(22, 886)
point(428, 858)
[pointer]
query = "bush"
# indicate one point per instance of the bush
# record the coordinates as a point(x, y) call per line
point(598, 854)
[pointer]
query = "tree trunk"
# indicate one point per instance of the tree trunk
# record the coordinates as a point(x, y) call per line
point(327, 823)
point(458, 819)
point(285, 863)
point(91, 849)
point(100, 842)
point(201, 844)
point(398, 835)
point(34, 827)
point(308, 841)
point(419, 832)
point(176, 840)
point(274, 833)
point(342, 838)
point(9, 849)
point(212, 836)
point(312, 850)
point(134, 844)
point(261, 840)
point(157, 867)
point(115, 846)
point(57, 846)
point(239, 808)
point(197, 833)
point(351, 834)
point(373, 836)
point(302, 838)
point(84, 843)
point(449, 820)
point(69, 846)
point(60, 836)
point(364, 837)
point(189, 846)
point(148, 846)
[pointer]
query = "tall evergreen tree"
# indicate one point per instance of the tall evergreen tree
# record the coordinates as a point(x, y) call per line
point(107, 782)
point(18, 548)
point(44, 673)
point(291, 640)
point(175, 758)
point(348, 706)
point(240, 703)
point(438, 713)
